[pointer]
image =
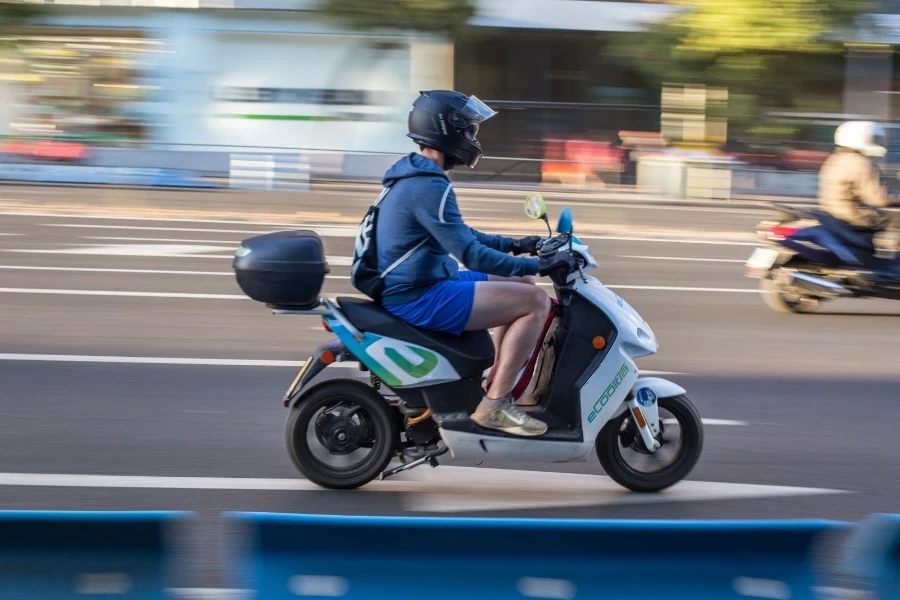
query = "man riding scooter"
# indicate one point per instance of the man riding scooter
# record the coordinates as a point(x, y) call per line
point(849, 184)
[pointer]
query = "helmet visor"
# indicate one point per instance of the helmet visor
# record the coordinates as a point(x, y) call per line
point(476, 111)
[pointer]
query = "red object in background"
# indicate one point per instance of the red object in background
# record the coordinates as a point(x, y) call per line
point(805, 159)
point(580, 158)
point(46, 149)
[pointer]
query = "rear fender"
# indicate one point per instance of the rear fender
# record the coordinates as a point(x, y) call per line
point(326, 354)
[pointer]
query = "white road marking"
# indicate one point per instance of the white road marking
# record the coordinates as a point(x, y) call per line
point(139, 249)
point(322, 230)
point(132, 271)
point(673, 288)
point(139, 228)
point(684, 289)
point(685, 259)
point(123, 294)
point(12, 234)
point(242, 297)
point(145, 254)
point(712, 422)
point(225, 362)
point(447, 489)
point(346, 231)
point(141, 239)
point(667, 240)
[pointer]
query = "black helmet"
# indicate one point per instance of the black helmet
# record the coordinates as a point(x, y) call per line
point(448, 121)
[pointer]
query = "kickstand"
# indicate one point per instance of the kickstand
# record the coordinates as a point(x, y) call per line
point(430, 457)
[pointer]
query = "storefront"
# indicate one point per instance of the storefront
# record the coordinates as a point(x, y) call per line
point(74, 85)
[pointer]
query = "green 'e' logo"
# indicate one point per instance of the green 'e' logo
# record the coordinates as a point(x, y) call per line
point(429, 362)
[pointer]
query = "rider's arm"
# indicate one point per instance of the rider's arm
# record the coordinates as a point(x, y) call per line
point(497, 242)
point(870, 190)
point(438, 213)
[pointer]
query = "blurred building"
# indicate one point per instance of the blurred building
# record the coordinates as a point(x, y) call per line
point(272, 74)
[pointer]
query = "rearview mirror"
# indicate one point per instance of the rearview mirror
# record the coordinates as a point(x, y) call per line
point(535, 207)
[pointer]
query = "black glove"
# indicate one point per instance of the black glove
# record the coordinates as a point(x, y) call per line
point(557, 266)
point(526, 245)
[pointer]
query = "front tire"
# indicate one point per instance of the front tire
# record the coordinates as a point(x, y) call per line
point(353, 417)
point(622, 430)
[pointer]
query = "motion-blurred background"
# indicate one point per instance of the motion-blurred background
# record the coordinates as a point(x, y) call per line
point(692, 98)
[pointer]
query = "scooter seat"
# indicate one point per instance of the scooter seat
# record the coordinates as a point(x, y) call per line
point(470, 354)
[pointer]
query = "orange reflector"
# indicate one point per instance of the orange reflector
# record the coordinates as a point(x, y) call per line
point(599, 342)
point(327, 357)
point(639, 417)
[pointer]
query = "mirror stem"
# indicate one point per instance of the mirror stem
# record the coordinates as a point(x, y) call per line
point(547, 222)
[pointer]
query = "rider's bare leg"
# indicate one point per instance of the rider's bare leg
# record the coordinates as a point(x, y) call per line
point(523, 307)
point(498, 333)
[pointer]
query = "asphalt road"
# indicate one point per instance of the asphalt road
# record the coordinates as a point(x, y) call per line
point(801, 410)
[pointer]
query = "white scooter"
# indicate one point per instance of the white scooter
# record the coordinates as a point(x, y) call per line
point(423, 386)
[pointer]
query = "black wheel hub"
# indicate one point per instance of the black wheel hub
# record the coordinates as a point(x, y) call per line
point(338, 432)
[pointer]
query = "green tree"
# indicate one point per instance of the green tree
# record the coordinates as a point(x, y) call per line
point(431, 16)
point(768, 55)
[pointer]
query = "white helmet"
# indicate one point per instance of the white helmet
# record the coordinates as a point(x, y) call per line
point(866, 137)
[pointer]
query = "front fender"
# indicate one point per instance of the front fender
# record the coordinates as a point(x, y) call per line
point(642, 402)
point(663, 388)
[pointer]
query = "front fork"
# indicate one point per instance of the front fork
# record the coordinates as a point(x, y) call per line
point(645, 411)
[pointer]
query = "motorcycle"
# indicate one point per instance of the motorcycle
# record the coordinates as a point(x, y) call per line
point(809, 257)
point(424, 385)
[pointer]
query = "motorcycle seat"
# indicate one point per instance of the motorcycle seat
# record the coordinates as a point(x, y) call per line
point(470, 354)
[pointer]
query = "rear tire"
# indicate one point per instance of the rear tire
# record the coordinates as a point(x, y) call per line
point(609, 451)
point(778, 299)
point(382, 437)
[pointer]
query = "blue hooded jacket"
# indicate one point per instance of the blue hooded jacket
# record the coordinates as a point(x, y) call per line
point(421, 203)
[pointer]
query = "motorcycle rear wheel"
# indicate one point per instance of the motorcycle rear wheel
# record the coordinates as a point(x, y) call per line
point(780, 300)
point(609, 448)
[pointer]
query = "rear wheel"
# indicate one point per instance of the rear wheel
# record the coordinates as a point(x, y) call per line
point(342, 435)
point(625, 457)
point(782, 299)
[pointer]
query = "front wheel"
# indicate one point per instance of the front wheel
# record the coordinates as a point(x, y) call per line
point(342, 435)
point(627, 461)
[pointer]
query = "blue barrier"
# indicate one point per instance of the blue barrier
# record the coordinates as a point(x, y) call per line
point(84, 555)
point(870, 560)
point(68, 174)
point(443, 558)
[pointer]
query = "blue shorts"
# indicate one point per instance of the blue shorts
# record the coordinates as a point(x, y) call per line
point(445, 307)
